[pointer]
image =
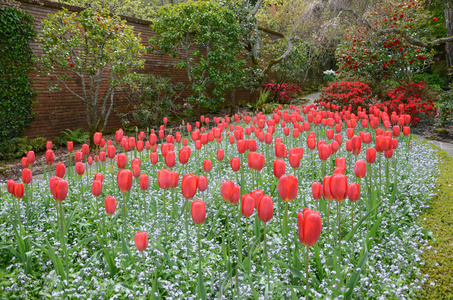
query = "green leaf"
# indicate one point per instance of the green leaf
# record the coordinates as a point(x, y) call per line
point(356, 275)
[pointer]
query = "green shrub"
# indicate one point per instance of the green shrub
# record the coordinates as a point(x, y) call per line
point(77, 136)
point(18, 147)
point(435, 81)
point(445, 108)
point(16, 97)
point(151, 98)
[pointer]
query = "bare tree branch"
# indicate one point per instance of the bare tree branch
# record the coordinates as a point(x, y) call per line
point(279, 59)
point(256, 7)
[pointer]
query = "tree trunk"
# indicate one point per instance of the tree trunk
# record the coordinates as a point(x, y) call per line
point(449, 46)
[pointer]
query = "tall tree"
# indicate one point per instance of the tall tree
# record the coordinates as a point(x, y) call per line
point(96, 48)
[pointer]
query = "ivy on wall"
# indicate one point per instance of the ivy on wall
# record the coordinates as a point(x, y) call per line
point(16, 57)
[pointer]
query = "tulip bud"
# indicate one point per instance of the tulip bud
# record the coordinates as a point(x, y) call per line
point(310, 225)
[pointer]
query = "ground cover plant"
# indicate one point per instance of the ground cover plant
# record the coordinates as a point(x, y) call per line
point(304, 203)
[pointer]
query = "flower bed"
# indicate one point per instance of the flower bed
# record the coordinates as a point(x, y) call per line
point(366, 249)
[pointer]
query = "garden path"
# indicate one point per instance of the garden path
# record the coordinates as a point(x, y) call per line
point(311, 98)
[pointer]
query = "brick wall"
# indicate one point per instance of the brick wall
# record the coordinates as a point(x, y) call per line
point(60, 110)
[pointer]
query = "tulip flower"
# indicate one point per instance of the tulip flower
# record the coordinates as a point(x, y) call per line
point(18, 190)
point(310, 226)
point(121, 161)
point(189, 186)
point(144, 182)
point(360, 168)
point(202, 183)
point(294, 161)
point(96, 188)
point(124, 180)
point(184, 155)
point(85, 149)
point(316, 190)
point(70, 146)
point(207, 165)
point(235, 164)
point(170, 159)
point(80, 168)
point(226, 190)
point(247, 205)
point(24, 162)
point(110, 205)
point(279, 168)
point(370, 155)
point(60, 170)
point(26, 176)
point(97, 138)
point(141, 240)
point(198, 211)
point(30, 157)
point(255, 161)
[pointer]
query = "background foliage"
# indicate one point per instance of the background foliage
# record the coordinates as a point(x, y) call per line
point(16, 97)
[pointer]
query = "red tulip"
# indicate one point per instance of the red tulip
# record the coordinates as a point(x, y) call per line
point(236, 194)
point(110, 205)
point(90, 160)
point(198, 211)
point(360, 168)
point(102, 156)
point(97, 138)
point(49, 145)
point(339, 186)
point(26, 176)
point(323, 152)
point(370, 155)
point(131, 143)
point(163, 178)
point(353, 191)
point(189, 185)
point(24, 162)
point(265, 209)
point(247, 205)
point(60, 170)
point(174, 179)
point(119, 135)
point(316, 190)
point(227, 190)
point(280, 150)
point(154, 157)
point(356, 145)
point(255, 161)
point(170, 159)
point(59, 188)
point(241, 146)
point(257, 195)
point(340, 162)
point(140, 145)
point(294, 161)
point(99, 177)
point(220, 154)
point(141, 240)
point(326, 192)
point(18, 190)
point(406, 130)
point(50, 157)
point(207, 165)
point(85, 149)
point(124, 180)
point(396, 130)
point(121, 161)
point(144, 182)
point(31, 157)
point(80, 168)
point(310, 225)
point(96, 188)
point(235, 164)
point(202, 183)
point(287, 187)
point(279, 168)
point(10, 186)
point(184, 155)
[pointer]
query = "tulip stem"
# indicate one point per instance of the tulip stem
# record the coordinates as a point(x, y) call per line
point(165, 211)
point(124, 215)
point(286, 229)
point(265, 256)
point(63, 243)
point(339, 230)
point(306, 274)
point(187, 227)
point(328, 215)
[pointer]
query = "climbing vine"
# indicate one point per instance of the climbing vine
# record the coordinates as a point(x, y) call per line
point(16, 97)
